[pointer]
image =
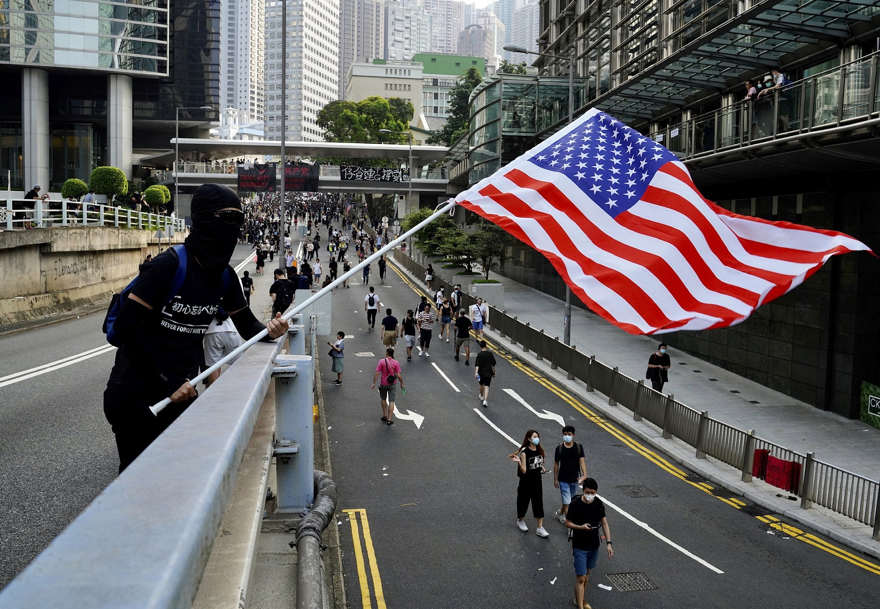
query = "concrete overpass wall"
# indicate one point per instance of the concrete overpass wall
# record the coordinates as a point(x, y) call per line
point(47, 274)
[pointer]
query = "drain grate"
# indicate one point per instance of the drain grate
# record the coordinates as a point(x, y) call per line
point(636, 491)
point(634, 581)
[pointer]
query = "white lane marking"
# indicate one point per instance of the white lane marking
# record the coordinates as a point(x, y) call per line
point(495, 427)
point(59, 366)
point(445, 378)
point(410, 416)
point(616, 508)
point(50, 364)
point(659, 536)
point(551, 416)
point(247, 259)
point(365, 354)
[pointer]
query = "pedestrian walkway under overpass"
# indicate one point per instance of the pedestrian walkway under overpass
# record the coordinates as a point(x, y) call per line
point(429, 185)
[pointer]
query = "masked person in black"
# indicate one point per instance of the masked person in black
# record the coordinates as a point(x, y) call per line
point(161, 333)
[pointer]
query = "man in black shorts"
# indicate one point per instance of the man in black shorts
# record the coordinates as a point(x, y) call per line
point(463, 336)
point(484, 370)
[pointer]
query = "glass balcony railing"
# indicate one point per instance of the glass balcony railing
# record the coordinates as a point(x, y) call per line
point(838, 97)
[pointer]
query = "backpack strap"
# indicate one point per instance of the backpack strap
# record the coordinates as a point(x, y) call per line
point(180, 272)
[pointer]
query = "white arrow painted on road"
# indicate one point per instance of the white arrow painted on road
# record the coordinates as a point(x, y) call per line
point(550, 416)
point(410, 416)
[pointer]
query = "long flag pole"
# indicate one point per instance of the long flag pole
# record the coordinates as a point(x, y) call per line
point(159, 406)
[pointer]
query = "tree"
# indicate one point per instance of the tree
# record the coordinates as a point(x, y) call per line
point(489, 244)
point(459, 109)
point(74, 187)
point(341, 122)
point(108, 181)
point(507, 67)
point(154, 196)
point(347, 121)
point(426, 238)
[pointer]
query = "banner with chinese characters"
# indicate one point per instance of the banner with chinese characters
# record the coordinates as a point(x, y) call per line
point(301, 177)
point(259, 178)
point(373, 174)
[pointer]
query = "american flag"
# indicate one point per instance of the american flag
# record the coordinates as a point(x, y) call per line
point(620, 219)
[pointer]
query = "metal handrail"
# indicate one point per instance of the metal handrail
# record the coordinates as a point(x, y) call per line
point(801, 106)
point(825, 485)
point(23, 214)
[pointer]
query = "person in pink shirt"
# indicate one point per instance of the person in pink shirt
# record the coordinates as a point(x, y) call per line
point(387, 375)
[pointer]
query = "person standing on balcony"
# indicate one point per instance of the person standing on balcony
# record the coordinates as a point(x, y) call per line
point(751, 91)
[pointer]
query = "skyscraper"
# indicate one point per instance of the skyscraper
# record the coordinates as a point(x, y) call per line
point(361, 35)
point(407, 29)
point(447, 20)
point(312, 66)
point(524, 30)
point(242, 48)
point(504, 10)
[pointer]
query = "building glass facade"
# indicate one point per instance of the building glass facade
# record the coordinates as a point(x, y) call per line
point(126, 36)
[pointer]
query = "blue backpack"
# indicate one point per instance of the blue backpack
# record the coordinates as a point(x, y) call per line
point(116, 302)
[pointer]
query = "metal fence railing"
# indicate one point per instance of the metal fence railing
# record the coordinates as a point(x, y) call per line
point(844, 492)
point(22, 214)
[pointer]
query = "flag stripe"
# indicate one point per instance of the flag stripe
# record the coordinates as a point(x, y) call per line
point(682, 282)
point(540, 226)
point(593, 293)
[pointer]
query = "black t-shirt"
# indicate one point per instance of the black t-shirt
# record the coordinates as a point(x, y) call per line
point(247, 283)
point(659, 360)
point(569, 461)
point(534, 464)
point(180, 322)
point(421, 307)
point(283, 290)
point(32, 194)
point(484, 363)
point(580, 512)
point(389, 323)
point(463, 327)
point(445, 311)
point(381, 263)
point(409, 326)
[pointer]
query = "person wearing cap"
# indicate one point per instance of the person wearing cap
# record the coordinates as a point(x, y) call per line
point(161, 333)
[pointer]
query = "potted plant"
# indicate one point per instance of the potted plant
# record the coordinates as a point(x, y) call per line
point(107, 182)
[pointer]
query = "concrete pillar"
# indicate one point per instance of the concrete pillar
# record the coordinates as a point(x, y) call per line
point(409, 204)
point(35, 127)
point(119, 116)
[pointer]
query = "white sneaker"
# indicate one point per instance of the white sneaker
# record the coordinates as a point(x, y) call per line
point(485, 404)
point(420, 351)
point(560, 517)
point(542, 532)
point(427, 354)
point(522, 526)
point(447, 340)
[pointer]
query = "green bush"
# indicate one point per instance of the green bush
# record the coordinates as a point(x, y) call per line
point(74, 187)
point(154, 196)
point(108, 181)
point(165, 192)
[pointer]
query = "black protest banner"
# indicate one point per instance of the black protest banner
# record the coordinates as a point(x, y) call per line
point(301, 177)
point(259, 178)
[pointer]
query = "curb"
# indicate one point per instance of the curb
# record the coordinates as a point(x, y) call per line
point(668, 448)
point(333, 542)
point(697, 465)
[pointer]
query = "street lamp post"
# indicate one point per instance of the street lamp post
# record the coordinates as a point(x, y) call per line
point(566, 319)
point(177, 146)
point(281, 205)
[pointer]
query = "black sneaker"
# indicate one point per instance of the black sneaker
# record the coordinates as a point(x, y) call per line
point(337, 382)
point(389, 422)
point(467, 362)
point(409, 358)
point(384, 419)
point(456, 358)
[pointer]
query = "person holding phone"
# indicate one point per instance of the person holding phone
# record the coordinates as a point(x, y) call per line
point(530, 466)
point(586, 515)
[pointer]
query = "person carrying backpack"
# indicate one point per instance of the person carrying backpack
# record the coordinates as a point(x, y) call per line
point(569, 468)
point(387, 374)
point(371, 306)
point(281, 292)
point(158, 322)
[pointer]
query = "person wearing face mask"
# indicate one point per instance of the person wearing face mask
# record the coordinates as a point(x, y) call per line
point(658, 364)
point(160, 333)
point(530, 466)
point(586, 515)
point(569, 468)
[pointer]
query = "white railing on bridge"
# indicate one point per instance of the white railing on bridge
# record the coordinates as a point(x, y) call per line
point(22, 214)
point(327, 171)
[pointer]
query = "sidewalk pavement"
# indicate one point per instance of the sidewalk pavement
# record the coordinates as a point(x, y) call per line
point(846, 443)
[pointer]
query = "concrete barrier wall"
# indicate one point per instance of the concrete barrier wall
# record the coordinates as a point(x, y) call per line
point(50, 273)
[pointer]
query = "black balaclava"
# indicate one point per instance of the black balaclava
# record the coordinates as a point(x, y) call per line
point(212, 241)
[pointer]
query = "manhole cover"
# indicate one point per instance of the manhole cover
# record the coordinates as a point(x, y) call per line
point(636, 491)
point(631, 582)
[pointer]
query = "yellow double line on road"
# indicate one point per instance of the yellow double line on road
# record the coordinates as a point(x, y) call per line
point(357, 518)
point(659, 461)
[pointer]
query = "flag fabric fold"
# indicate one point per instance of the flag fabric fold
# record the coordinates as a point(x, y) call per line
point(621, 221)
